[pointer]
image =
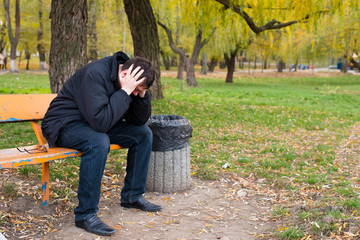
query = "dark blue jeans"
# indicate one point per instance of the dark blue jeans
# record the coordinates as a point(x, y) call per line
point(95, 147)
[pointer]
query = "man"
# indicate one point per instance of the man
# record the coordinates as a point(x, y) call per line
point(105, 102)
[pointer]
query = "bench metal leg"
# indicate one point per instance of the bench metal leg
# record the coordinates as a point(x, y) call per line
point(45, 183)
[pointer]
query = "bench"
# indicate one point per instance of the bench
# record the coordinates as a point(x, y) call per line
point(32, 108)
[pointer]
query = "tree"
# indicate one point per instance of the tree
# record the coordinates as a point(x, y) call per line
point(230, 64)
point(14, 40)
point(213, 63)
point(259, 15)
point(204, 64)
point(145, 37)
point(2, 36)
point(41, 46)
point(68, 40)
point(27, 56)
point(231, 36)
point(230, 58)
point(35, 30)
point(334, 37)
point(189, 62)
point(190, 18)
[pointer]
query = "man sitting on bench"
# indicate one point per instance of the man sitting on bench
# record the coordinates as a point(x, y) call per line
point(105, 102)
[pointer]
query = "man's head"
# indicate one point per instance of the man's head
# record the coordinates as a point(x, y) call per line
point(145, 65)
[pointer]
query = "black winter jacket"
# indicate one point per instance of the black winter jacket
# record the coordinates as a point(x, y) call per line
point(93, 95)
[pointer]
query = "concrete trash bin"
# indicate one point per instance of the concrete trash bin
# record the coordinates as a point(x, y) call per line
point(169, 168)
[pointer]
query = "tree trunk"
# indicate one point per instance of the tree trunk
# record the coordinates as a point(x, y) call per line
point(68, 40)
point(40, 45)
point(242, 59)
point(145, 38)
point(190, 73)
point(166, 60)
point(190, 69)
point(230, 64)
point(281, 65)
point(212, 64)
point(27, 56)
point(92, 11)
point(255, 59)
point(204, 64)
point(265, 63)
point(344, 64)
point(181, 68)
point(13, 40)
point(27, 61)
point(2, 36)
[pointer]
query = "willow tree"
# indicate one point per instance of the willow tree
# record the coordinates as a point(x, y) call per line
point(322, 39)
point(35, 31)
point(335, 36)
point(270, 47)
point(110, 31)
point(14, 40)
point(2, 35)
point(189, 61)
point(198, 18)
point(27, 41)
point(145, 37)
point(231, 36)
point(261, 16)
point(68, 40)
point(42, 32)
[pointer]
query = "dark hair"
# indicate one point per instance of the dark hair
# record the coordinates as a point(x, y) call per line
point(145, 65)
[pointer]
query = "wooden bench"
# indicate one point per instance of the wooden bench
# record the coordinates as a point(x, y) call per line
point(32, 108)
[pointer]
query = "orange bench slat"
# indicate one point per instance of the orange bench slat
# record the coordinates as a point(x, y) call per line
point(24, 107)
point(11, 158)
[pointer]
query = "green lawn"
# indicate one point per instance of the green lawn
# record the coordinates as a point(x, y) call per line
point(296, 137)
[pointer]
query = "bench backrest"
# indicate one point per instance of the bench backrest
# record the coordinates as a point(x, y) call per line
point(24, 107)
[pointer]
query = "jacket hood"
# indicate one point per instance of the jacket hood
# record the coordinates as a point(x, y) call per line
point(117, 59)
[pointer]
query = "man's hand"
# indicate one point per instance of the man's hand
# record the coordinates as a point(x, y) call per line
point(128, 79)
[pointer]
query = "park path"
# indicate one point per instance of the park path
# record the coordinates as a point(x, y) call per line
point(208, 210)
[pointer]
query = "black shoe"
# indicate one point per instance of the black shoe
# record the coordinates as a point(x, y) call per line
point(143, 205)
point(94, 225)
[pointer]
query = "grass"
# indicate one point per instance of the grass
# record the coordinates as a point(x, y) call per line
point(24, 83)
point(10, 189)
point(291, 233)
point(287, 133)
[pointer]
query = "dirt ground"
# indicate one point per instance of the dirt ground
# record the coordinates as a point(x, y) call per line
point(229, 208)
point(208, 210)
